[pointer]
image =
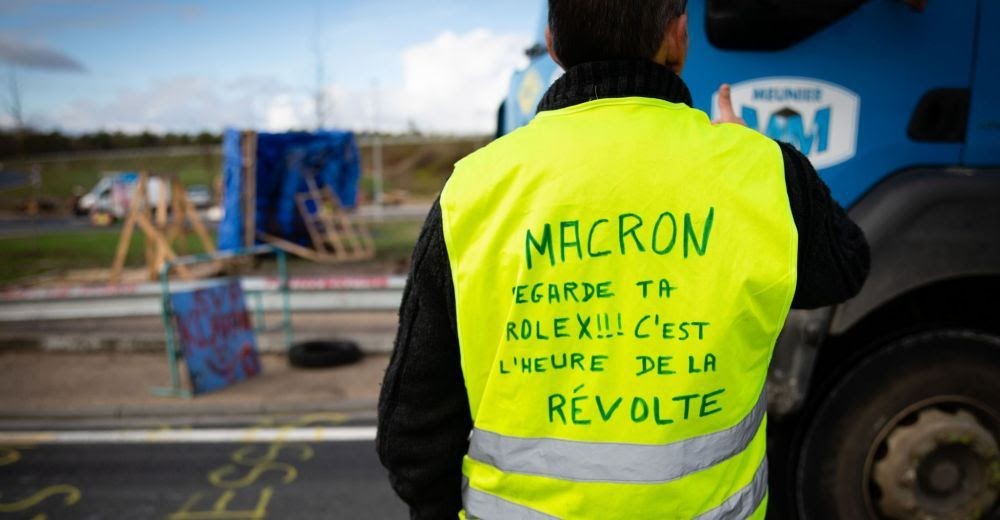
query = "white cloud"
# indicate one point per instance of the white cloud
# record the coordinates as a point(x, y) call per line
point(455, 82)
point(189, 104)
point(451, 84)
point(284, 112)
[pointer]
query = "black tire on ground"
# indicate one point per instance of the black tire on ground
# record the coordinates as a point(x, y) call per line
point(833, 476)
point(321, 354)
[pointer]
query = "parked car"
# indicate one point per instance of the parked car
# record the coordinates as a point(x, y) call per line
point(199, 195)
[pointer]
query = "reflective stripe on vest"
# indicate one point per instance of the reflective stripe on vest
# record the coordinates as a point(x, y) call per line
point(484, 506)
point(745, 501)
point(614, 462)
point(621, 270)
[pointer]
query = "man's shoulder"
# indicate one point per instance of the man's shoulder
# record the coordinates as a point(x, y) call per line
point(743, 134)
point(724, 138)
point(502, 146)
point(485, 165)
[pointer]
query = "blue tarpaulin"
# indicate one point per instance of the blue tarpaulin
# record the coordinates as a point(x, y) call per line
point(283, 162)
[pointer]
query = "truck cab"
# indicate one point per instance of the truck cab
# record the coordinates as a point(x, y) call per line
point(887, 405)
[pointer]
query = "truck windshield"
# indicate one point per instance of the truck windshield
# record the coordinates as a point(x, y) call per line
point(770, 24)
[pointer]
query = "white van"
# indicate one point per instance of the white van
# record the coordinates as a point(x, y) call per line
point(112, 195)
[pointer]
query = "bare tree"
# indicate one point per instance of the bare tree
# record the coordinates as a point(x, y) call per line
point(14, 98)
point(319, 94)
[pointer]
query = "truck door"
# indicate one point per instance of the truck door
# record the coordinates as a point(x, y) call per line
point(982, 145)
point(841, 79)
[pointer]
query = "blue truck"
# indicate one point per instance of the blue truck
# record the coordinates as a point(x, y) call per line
point(888, 405)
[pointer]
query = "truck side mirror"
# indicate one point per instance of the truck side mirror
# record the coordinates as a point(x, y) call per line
point(535, 50)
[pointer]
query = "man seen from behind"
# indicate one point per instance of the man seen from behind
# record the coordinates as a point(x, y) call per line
point(594, 299)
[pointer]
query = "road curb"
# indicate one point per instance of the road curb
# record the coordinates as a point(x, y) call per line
point(187, 409)
point(369, 342)
point(328, 294)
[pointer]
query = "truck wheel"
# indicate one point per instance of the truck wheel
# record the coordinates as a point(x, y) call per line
point(911, 432)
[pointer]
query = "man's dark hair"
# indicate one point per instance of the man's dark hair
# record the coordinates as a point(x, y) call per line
point(593, 30)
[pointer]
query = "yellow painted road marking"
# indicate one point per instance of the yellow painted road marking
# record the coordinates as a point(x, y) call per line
point(72, 496)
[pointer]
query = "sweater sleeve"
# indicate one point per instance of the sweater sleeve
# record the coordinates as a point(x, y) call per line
point(833, 257)
point(423, 411)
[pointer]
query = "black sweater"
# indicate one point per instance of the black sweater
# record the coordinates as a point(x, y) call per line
point(424, 418)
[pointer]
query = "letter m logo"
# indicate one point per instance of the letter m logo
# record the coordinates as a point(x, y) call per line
point(823, 124)
point(788, 125)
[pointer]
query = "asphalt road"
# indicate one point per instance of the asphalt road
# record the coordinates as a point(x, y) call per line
point(13, 180)
point(195, 481)
point(14, 226)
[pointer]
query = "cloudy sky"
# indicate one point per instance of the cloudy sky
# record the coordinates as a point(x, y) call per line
point(439, 65)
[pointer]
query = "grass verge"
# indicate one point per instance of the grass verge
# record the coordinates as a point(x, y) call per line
point(54, 254)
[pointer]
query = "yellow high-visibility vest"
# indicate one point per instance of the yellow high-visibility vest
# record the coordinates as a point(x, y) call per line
point(622, 269)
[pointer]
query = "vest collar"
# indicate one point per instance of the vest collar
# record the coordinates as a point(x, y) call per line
point(615, 79)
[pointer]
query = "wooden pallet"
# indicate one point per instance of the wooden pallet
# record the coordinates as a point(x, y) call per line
point(335, 235)
point(162, 231)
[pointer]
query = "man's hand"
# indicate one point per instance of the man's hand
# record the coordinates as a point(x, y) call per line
point(726, 113)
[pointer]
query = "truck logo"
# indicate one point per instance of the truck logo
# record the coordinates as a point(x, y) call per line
point(818, 118)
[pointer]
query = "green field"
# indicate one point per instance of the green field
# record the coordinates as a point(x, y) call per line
point(414, 170)
point(60, 177)
point(54, 254)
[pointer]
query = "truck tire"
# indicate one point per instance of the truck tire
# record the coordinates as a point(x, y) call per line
point(910, 432)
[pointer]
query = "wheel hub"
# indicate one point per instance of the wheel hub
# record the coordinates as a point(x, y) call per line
point(943, 465)
point(943, 477)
